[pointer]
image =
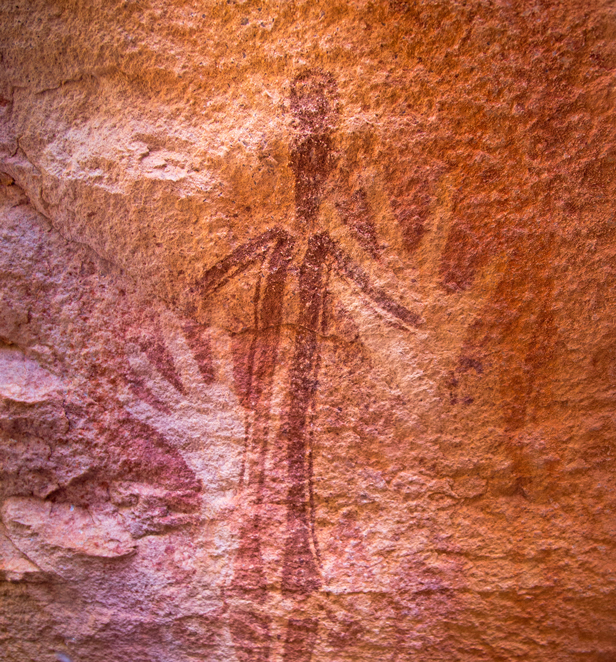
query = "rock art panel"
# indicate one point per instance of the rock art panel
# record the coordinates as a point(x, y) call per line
point(306, 335)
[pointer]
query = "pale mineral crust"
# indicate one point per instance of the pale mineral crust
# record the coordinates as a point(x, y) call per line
point(307, 338)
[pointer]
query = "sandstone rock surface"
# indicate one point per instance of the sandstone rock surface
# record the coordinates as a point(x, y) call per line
point(307, 339)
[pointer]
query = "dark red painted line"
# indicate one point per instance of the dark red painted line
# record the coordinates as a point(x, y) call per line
point(300, 572)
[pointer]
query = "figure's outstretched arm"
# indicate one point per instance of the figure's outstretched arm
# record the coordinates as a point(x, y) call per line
point(239, 260)
point(346, 266)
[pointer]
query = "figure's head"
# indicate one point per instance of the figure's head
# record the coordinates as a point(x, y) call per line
point(314, 101)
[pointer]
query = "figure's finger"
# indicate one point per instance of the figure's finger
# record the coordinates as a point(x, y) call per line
point(141, 410)
point(152, 379)
point(183, 355)
point(221, 351)
point(209, 434)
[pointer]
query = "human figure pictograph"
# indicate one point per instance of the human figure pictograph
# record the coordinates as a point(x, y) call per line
point(304, 260)
point(317, 255)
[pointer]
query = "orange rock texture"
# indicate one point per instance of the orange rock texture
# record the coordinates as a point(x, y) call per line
point(308, 350)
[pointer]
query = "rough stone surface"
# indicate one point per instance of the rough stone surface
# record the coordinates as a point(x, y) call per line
point(308, 348)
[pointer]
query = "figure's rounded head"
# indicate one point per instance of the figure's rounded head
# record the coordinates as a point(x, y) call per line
point(314, 101)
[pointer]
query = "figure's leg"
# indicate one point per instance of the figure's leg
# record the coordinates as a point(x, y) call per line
point(251, 635)
point(257, 387)
point(300, 571)
point(249, 626)
point(300, 639)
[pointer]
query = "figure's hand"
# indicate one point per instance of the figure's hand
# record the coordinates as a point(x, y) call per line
point(200, 417)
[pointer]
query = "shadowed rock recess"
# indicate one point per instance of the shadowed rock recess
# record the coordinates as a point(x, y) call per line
point(307, 331)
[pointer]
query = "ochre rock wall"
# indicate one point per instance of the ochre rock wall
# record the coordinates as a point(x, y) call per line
point(308, 349)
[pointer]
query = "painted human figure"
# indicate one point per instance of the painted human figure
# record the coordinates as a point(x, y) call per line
point(313, 103)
